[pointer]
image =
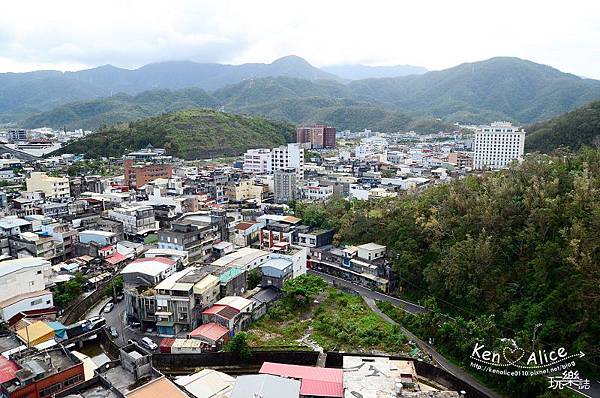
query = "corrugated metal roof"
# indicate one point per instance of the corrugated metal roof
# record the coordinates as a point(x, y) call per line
point(322, 382)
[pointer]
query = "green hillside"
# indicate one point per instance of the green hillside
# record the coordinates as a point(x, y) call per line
point(92, 114)
point(497, 88)
point(574, 130)
point(189, 134)
point(499, 254)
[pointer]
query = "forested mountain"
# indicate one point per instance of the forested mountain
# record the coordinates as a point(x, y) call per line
point(495, 89)
point(283, 98)
point(574, 130)
point(498, 254)
point(189, 134)
point(22, 94)
point(357, 72)
point(498, 88)
point(92, 114)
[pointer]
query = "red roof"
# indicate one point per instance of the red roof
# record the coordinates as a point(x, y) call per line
point(321, 382)
point(211, 331)
point(8, 369)
point(115, 258)
point(244, 225)
point(212, 310)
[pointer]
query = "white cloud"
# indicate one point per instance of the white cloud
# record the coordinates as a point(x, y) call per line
point(435, 34)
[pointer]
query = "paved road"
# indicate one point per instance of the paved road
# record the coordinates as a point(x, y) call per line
point(407, 306)
point(370, 296)
point(438, 358)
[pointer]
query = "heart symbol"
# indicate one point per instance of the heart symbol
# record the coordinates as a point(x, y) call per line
point(513, 355)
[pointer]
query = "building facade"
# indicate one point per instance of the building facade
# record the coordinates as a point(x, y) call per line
point(285, 184)
point(317, 136)
point(52, 187)
point(497, 145)
point(257, 161)
point(289, 156)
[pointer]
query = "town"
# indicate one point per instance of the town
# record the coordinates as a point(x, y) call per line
point(149, 257)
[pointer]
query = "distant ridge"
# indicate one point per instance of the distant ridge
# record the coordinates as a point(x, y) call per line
point(357, 72)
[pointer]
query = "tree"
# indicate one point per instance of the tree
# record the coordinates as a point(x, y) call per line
point(302, 290)
point(239, 344)
point(254, 278)
point(68, 291)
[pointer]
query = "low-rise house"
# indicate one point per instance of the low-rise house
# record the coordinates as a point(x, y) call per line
point(245, 233)
point(213, 334)
point(137, 221)
point(232, 312)
point(367, 264)
point(314, 381)
point(276, 271)
point(11, 226)
point(29, 244)
point(265, 386)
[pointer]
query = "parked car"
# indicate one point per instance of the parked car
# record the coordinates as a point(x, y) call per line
point(148, 343)
point(109, 307)
point(113, 332)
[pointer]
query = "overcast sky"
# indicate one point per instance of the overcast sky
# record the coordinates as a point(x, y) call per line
point(71, 35)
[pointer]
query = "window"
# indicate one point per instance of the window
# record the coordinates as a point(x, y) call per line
point(36, 302)
point(72, 380)
point(53, 389)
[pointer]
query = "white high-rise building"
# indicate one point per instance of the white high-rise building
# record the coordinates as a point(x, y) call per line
point(258, 161)
point(497, 145)
point(286, 156)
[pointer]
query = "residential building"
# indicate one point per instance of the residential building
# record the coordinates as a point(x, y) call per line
point(276, 271)
point(314, 238)
point(315, 381)
point(29, 244)
point(245, 190)
point(257, 161)
point(277, 230)
point(11, 226)
point(245, 233)
point(23, 284)
point(101, 238)
point(317, 136)
point(64, 234)
point(286, 156)
point(461, 159)
point(315, 192)
point(265, 386)
point(52, 187)
point(17, 135)
point(184, 236)
point(232, 312)
point(138, 174)
point(497, 145)
point(367, 265)
point(285, 185)
point(41, 374)
point(136, 220)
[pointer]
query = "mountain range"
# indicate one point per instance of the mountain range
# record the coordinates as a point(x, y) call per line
point(293, 90)
point(357, 72)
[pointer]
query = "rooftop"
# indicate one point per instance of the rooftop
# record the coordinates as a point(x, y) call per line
point(212, 331)
point(265, 386)
point(321, 382)
point(10, 266)
point(207, 383)
point(149, 266)
point(160, 387)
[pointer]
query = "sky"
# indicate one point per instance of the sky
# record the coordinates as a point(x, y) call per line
point(73, 35)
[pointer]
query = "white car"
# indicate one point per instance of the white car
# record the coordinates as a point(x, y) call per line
point(149, 344)
point(109, 307)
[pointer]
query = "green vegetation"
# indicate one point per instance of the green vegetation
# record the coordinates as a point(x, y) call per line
point(312, 314)
point(96, 113)
point(114, 287)
point(188, 134)
point(92, 167)
point(151, 239)
point(499, 254)
point(254, 278)
point(70, 290)
point(574, 130)
point(239, 344)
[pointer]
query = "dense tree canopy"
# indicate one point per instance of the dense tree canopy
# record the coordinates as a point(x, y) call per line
point(520, 246)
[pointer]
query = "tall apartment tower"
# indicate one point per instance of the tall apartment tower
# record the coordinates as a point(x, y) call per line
point(317, 136)
point(497, 145)
point(286, 156)
point(285, 185)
